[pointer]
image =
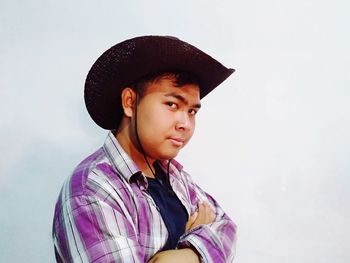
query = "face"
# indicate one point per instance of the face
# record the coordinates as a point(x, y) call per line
point(166, 117)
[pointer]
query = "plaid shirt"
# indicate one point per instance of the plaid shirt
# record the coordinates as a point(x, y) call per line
point(105, 214)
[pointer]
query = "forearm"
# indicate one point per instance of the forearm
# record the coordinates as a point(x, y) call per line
point(214, 241)
point(214, 245)
point(185, 255)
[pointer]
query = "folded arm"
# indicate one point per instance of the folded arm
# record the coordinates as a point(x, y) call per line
point(215, 242)
point(204, 215)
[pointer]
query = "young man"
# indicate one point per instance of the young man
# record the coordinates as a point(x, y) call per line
point(130, 201)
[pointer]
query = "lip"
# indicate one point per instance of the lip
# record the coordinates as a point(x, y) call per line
point(177, 141)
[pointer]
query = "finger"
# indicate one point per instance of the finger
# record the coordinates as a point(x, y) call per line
point(209, 208)
point(213, 217)
point(194, 216)
point(200, 205)
point(204, 209)
point(206, 214)
point(191, 220)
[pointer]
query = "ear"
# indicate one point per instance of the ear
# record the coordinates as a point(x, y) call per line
point(128, 98)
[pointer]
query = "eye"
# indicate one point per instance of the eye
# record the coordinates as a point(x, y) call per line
point(172, 105)
point(192, 112)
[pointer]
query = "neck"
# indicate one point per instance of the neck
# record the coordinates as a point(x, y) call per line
point(130, 147)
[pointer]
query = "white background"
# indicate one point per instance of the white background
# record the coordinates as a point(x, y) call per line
point(272, 142)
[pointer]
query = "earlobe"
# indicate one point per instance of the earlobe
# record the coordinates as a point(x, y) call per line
point(128, 97)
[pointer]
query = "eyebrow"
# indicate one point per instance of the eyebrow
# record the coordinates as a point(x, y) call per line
point(182, 98)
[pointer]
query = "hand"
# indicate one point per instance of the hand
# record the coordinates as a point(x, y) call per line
point(184, 255)
point(204, 215)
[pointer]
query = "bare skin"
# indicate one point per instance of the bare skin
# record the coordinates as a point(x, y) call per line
point(171, 109)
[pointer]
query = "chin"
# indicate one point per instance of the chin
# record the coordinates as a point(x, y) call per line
point(168, 156)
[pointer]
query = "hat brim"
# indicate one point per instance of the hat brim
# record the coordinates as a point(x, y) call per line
point(130, 60)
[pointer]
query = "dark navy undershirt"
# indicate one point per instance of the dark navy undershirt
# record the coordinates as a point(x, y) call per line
point(170, 207)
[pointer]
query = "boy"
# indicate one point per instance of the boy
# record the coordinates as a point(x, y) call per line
point(130, 201)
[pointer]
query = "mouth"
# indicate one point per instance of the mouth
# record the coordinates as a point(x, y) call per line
point(178, 142)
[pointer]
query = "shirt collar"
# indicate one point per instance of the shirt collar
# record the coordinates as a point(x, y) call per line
point(122, 162)
point(126, 167)
point(175, 164)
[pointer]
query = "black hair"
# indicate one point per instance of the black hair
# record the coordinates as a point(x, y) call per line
point(179, 78)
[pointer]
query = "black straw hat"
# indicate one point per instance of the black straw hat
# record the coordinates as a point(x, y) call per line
point(130, 60)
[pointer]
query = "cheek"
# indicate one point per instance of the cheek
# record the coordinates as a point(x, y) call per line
point(156, 122)
point(193, 123)
point(160, 119)
point(191, 132)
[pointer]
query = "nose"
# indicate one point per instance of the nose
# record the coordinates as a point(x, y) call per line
point(183, 121)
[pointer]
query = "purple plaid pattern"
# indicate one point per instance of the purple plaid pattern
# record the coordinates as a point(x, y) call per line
point(104, 213)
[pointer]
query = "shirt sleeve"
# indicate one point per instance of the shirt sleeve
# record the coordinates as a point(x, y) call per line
point(216, 242)
point(90, 230)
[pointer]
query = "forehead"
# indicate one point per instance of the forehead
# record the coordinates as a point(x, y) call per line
point(167, 83)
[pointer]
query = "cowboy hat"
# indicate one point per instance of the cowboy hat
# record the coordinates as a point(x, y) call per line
point(135, 58)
